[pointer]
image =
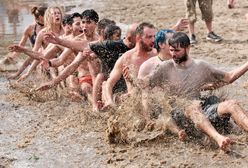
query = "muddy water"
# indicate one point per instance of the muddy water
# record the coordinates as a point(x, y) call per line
point(48, 130)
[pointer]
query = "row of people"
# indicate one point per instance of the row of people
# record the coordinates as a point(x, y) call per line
point(99, 63)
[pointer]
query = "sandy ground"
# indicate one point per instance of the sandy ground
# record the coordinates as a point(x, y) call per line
point(48, 130)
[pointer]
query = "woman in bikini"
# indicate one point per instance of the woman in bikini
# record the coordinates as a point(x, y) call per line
point(30, 32)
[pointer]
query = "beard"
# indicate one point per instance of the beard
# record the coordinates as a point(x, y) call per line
point(182, 59)
point(145, 47)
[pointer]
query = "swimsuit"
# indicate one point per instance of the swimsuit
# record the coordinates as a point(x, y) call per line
point(86, 79)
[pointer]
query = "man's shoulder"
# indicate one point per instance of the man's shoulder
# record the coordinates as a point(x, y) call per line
point(202, 63)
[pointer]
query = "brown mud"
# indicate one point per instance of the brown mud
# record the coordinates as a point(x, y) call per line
point(46, 129)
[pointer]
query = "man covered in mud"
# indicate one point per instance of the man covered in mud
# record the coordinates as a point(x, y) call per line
point(185, 76)
point(150, 111)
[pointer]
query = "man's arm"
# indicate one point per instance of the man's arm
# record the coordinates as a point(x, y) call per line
point(236, 73)
point(75, 45)
point(115, 75)
point(181, 24)
point(33, 54)
point(56, 62)
point(66, 72)
point(222, 78)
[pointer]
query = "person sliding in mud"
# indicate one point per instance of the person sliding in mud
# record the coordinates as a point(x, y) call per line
point(162, 46)
point(83, 63)
point(186, 76)
point(131, 60)
point(53, 23)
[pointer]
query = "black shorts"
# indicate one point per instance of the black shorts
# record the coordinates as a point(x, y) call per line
point(209, 108)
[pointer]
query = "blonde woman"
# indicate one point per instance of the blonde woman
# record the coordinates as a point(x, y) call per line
point(52, 23)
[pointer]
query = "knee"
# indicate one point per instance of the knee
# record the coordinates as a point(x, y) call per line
point(193, 108)
point(100, 76)
point(229, 106)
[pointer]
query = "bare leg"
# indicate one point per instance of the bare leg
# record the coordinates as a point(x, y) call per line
point(74, 88)
point(21, 69)
point(191, 28)
point(87, 90)
point(237, 113)
point(194, 113)
point(30, 70)
point(209, 26)
point(171, 125)
point(97, 91)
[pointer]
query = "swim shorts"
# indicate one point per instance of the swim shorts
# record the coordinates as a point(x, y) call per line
point(86, 79)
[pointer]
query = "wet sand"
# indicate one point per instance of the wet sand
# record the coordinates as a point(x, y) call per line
point(48, 130)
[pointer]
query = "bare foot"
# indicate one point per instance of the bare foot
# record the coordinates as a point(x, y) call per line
point(224, 142)
point(182, 135)
point(246, 16)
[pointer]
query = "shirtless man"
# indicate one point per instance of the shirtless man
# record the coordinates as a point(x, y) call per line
point(132, 60)
point(185, 76)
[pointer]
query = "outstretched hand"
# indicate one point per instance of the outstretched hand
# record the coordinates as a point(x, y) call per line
point(16, 48)
point(181, 24)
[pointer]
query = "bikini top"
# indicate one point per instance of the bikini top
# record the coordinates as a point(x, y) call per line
point(32, 38)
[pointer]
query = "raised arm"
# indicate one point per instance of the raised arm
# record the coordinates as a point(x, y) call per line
point(181, 24)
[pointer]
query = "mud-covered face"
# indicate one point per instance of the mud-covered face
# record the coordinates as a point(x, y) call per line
point(88, 26)
point(56, 16)
point(178, 54)
point(147, 39)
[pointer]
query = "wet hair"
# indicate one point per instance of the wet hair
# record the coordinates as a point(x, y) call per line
point(76, 14)
point(67, 20)
point(161, 37)
point(179, 39)
point(48, 17)
point(103, 23)
point(38, 11)
point(90, 14)
point(110, 30)
point(140, 29)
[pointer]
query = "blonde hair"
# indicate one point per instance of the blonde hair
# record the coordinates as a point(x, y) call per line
point(48, 22)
